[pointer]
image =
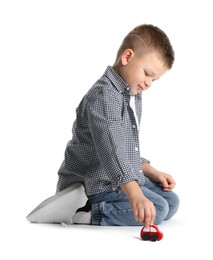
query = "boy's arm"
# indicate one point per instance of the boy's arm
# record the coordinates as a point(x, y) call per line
point(143, 209)
point(104, 115)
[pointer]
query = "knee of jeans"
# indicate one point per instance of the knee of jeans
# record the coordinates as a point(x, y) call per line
point(175, 202)
point(173, 207)
point(162, 210)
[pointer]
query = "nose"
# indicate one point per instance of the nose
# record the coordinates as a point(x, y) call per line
point(148, 83)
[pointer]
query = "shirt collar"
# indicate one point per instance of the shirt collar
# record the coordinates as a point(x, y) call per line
point(117, 81)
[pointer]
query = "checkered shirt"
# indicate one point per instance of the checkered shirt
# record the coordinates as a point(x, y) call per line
point(104, 150)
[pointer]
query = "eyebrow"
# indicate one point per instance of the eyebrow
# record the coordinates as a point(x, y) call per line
point(151, 73)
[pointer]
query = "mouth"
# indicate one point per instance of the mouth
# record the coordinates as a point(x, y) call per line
point(140, 87)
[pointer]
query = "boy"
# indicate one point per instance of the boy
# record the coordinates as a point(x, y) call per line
point(104, 155)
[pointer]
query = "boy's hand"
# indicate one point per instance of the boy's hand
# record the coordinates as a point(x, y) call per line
point(142, 208)
point(164, 179)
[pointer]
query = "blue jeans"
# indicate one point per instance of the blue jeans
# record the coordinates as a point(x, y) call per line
point(113, 208)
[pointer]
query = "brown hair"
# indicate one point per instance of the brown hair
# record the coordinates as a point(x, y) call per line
point(147, 38)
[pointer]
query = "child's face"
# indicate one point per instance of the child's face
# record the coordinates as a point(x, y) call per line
point(140, 72)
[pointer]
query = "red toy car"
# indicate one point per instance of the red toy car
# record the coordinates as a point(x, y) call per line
point(151, 233)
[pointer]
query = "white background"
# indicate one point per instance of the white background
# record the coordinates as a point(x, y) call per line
point(51, 52)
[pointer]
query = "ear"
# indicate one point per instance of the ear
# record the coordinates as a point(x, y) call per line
point(127, 55)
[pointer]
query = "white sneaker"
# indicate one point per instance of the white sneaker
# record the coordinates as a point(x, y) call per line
point(83, 218)
point(83, 215)
point(61, 207)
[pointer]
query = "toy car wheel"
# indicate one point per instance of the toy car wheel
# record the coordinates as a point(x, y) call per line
point(154, 238)
point(145, 237)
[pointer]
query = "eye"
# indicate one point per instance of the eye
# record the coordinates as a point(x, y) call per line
point(146, 73)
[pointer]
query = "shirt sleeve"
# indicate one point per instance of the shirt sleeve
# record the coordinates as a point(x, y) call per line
point(144, 160)
point(105, 122)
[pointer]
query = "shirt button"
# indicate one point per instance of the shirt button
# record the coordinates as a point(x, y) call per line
point(128, 88)
point(133, 126)
point(136, 148)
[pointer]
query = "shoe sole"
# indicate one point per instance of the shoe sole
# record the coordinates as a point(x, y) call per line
point(61, 207)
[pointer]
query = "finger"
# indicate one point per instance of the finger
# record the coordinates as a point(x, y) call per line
point(171, 182)
point(147, 217)
point(164, 183)
point(169, 187)
point(153, 216)
point(140, 216)
point(135, 213)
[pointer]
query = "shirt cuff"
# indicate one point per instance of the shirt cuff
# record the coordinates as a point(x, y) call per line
point(143, 160)
point(122, 179)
